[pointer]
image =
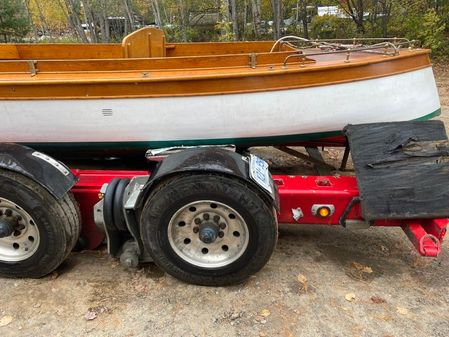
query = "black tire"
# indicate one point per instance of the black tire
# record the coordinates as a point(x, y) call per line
point(58, 223)
point(172, 195)
point(117, 208)
point(73, 215)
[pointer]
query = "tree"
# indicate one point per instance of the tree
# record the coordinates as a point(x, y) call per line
point(356, 10)
point(14, 21)
point(183, 21)
point(129, 15)
point(45, 29)
point(225, 21)
point(157, 12)
point(432, 32)
point(235, 25)
point(277, 18)
point(304, 17)
point(385, 10)
point(331, 27)
point(256, 11)
point(380, 15)
point(104, 22)
point(31, 20)
point(90, 21)
point(72, 11)
point(209, 20)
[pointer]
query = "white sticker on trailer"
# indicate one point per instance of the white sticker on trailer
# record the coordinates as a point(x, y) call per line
point(259, 172)
point(57, 165)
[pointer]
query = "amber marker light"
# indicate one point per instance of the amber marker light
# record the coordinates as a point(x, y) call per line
point(324, 212)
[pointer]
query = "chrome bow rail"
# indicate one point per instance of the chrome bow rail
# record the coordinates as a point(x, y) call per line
point(382, 46)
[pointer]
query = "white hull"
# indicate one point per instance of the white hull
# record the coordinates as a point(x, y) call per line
point(224, 118)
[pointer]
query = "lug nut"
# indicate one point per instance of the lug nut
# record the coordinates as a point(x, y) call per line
point(196, 229)
point(197, 221)
point(220, 234)
point(216, 218)
point(222, 225)
point(206, 216)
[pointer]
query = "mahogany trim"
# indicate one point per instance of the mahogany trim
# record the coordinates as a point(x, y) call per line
point(198, 82)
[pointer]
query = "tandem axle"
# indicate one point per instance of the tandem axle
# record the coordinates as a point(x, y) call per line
point(210, 216)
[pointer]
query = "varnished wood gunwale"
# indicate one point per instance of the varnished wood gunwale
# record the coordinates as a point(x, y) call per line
point(30, 51)
point(220, 48)
point(142, 64)
point(73, 51)
point(205, 82)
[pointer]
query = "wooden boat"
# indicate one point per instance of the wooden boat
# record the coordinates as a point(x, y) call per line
point(147, 93)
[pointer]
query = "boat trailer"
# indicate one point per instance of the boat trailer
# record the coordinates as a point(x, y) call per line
point(209, 215)
point(312, 200)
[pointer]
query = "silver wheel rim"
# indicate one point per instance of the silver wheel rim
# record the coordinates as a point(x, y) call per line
point(24, 241)
point(189, 222)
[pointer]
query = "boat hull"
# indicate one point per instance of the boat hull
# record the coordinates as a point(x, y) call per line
point(290, 116)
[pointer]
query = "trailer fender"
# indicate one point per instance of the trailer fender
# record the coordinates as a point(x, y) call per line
point(203, 161)
point(51, 174)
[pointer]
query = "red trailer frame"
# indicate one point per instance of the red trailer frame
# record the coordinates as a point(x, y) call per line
point(298, 197)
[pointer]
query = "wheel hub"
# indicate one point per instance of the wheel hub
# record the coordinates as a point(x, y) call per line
point(6, 227)
point(19, 235)
point(208, 234)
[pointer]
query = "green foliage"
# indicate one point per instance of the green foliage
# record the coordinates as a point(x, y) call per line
point(212, 20)
point(432, 33)
point(424, 24)
point(332, 27)
point(176, 34)
point(226, 31)
point(14, 22)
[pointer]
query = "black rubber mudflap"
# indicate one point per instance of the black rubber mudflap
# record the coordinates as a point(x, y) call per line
point(402, 169)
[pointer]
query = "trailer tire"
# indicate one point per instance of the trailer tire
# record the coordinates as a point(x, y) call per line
point(73, 215)
point(117, 207)
point(216, 263)
point(54, 226)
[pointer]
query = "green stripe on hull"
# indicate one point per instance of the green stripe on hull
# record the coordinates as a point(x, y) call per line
point(247, 141)
point(436, 113)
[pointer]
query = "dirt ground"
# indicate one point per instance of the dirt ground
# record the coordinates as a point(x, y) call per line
point(320, 281)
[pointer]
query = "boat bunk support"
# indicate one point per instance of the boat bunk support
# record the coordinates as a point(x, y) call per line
point(344, 161)
point(321, 167)
point(314, 157)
